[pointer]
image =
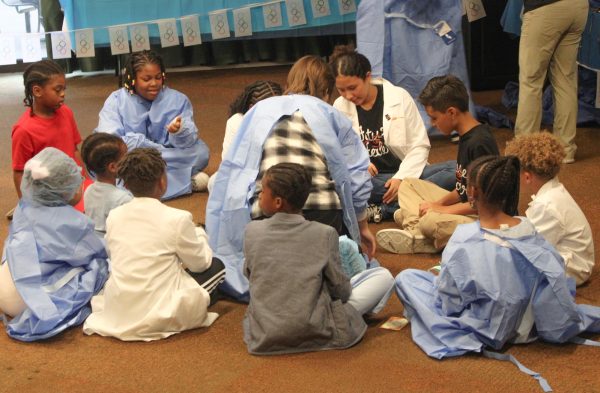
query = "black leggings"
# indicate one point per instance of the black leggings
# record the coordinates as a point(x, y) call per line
point(211, 278)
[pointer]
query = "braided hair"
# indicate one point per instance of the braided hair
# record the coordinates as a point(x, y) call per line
point(291, 182)
point(141, 169)
point(39, 73)
point(497, 179)
point(137, 61)
point(345, 60)
point(100, 149)
point(253, 93)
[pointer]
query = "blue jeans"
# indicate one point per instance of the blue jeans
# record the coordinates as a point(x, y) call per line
point(442, 174)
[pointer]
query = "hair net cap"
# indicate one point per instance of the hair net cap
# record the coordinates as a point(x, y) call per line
point(51, 178)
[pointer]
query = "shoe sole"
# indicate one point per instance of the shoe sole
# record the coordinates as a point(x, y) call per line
point(395, 241)
point(422, 245)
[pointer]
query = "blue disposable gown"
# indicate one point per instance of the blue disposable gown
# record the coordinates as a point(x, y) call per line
point(143, 123)
point(228, 208)
point(486, 293)
point(398, 39)
point(57, 263)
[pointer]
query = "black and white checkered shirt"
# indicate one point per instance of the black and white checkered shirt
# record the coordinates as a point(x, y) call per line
point(291, 140)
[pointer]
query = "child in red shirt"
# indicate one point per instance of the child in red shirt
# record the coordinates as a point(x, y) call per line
point(47, 122)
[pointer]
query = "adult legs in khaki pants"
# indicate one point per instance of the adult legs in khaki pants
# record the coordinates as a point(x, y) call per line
point(550, 37)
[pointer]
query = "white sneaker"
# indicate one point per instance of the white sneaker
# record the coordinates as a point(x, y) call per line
point(398, 217)
point(399, 241)
point(200, 182)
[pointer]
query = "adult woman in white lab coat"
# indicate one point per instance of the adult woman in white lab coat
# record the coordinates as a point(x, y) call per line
point(389, 124)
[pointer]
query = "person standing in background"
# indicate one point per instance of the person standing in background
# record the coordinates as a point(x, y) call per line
point(550, 37)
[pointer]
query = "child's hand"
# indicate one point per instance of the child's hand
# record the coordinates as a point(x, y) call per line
point(391, 194)
point(424, 208)
point(373, 169)
point(175, 125)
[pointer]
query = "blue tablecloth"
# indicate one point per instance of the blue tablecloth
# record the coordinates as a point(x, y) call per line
point(100, 14)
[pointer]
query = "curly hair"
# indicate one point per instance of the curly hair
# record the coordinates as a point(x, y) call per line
point(39, 73)
point(497, 178)
point(540, 153)
point(253, 93)
point(141, 169)
point(291, 182)
point(345, 60)
point(100, 149)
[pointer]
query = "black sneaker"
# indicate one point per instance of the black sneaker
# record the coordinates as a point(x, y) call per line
point(374, 213)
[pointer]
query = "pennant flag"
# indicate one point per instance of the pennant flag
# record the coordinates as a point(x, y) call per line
point(219, 26)
point(243, 22)
point(119, 41)
point(347, 6)
point(272, 15)
point(168, 32)
point(61, 45)
point(320, 8)
point(140, 40)
point(190, 29)
point(474, 9)
point(8, 53)
point(295, 12)
point(31, 48)
point(84, 43)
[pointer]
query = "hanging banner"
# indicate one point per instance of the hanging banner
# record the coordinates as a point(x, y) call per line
point(140, 40)
point(272, 15)
point(190, 30)
point(295, 12)
point(31, 48)
point(8, 53)
point(243, 22)
point(61, 45)
point(474, 9)
point(219, 26)
point(84, 43)
point(320, 8)
point(347, 6)
point(168, 32)
point(119, 41)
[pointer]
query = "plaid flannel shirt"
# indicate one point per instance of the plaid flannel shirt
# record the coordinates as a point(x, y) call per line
point(291, 140)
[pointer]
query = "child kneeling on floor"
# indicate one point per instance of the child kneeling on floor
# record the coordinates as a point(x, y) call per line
point(151, 294)
point(300, 298)
point(552, 210)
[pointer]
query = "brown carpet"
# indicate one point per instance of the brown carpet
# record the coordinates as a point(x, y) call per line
point(215, 359)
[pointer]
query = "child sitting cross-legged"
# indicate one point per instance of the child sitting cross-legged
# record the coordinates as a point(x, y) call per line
point(53, 262)
point(101, 153)
point(163, 276)
point(300, 298)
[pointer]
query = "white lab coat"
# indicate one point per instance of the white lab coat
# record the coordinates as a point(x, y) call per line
point(403, 129)
point(558, 218)
point(149, 295)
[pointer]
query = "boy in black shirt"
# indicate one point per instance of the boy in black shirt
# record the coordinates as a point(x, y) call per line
point(429, 214)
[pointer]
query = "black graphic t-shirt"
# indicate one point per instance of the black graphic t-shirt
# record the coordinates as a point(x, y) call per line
point(478, 142)
point(370, 124)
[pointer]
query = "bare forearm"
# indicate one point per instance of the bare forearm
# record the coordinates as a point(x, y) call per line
point(17, 177)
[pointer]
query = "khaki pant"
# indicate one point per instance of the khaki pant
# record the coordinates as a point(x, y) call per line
point(550, 37)
point(435, 226)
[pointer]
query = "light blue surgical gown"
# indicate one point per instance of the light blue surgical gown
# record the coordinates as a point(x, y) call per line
point(228, 208)
point(399, 40)
point(488, 294)
point(57, 263)
point(143, 123)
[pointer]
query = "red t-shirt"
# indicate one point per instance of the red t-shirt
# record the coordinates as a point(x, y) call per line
point(31, 134)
